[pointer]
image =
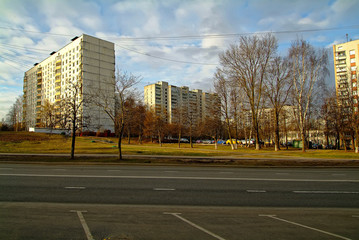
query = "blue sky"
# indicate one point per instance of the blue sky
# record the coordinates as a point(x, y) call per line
point(189, 34)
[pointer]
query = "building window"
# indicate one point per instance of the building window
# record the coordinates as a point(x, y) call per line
point(352, 60)
point(352, 52)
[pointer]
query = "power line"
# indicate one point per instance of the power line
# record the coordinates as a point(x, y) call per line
point(23, 30)
point(167, 59)
point(25, 48)
point(225, 35)
point(13, 62)
point(230, 35)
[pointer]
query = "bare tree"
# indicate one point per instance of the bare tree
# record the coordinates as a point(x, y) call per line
point(246, 63)
point(114, 105)
point(179, 115)
point(277, 91)
point(139, 120)
point(308, 67)
point(72, 104)
point(48, 115)
point(15, 114)
point(222, 88)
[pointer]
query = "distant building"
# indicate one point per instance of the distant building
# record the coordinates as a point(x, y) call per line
point(346, 56)
point(174, 102)
point(88, 60)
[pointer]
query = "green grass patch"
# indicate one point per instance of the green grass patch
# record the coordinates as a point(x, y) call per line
point(25, 142)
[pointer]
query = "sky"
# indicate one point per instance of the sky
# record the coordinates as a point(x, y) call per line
point(177, 41)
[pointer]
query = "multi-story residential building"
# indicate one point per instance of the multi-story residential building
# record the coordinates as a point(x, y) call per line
point(346, 57)
point(86, 61)
point(177, 103)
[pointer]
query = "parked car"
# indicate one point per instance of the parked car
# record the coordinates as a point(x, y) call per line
point(234, 141)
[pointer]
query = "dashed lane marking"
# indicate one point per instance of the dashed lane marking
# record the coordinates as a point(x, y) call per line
point(256, 191)
point(164, 189)
point(326, 192)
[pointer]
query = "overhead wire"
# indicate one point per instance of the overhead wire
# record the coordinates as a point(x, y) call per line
point(171, 38)
point(167, 59)
point(224, 35)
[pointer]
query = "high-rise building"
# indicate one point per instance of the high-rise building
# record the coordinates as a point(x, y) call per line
point(176, 103)
point(86, 61)
point(346, 57)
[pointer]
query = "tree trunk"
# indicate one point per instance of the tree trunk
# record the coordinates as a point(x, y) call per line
point(256, 131)
point(190, 136)
point(229, 134)
point(179, 138)
point(159, 138)
point(73, 138)
point(128, 137)
point(140, 136)
point(276, 132)
point(302, 132)
point(356, 141)
point(120, 142)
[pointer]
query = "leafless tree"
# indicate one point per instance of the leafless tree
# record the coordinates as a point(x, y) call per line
point(15, 114)
point(222, 88)
point(73, 103)
point(114, 105)
point(308, 66)
point(277, 90)
point(246, 63)
point(48, 115)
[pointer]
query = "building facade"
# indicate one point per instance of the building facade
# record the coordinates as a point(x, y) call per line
point(179, 104)
point(87, 62)
point(346, 58)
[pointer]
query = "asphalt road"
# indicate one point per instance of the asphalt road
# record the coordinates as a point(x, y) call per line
point(139, 202)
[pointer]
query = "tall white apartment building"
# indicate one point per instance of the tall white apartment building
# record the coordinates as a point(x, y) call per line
point(346, 57)
point(86, 60)
point(172, 101)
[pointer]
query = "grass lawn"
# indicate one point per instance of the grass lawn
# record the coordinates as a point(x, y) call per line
point(25, 142)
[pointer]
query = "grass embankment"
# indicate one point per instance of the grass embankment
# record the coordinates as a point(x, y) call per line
point(34, 143)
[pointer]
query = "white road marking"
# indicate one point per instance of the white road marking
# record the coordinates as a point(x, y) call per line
point(6, 168)
point(164, 189)
point(256, 191)
point(304, 226)
point(170, 171)
point(225, 172)
point(186, 178)
point(282, 173)
point(338, 174)
point(355, 216)
point(75, 187)
point(114, 170)
point(325, 192)
point(177, 215)
point(84, 224)
point(59, 169)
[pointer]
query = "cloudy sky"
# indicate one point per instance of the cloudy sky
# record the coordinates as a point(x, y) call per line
point(161, 40)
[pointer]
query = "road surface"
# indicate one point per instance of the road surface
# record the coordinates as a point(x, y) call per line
point(147, 202)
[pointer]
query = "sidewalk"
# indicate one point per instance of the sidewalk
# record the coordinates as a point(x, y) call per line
point(245, 160)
